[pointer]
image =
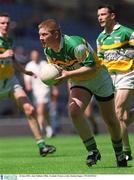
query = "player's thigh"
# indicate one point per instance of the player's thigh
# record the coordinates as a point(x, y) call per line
point(123, 99)
point(108, 110)
point(123, 103)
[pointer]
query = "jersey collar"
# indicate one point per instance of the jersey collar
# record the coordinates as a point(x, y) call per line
point(116, 26)
point(3, 37)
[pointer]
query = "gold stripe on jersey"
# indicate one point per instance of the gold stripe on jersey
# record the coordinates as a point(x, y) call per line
point(115, 45)
point(60, 62)
point(119, 66)
point(73, 61)
point(98, 49)
point(131, 42)
point(83, 77)
point(2, 49)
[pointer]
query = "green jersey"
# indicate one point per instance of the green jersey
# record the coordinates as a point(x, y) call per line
point(6, 64)
point(72, 48)
point(116, 50)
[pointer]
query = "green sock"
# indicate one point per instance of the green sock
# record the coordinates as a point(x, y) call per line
point(90, 144)
point(118, 147)
point(41, 143)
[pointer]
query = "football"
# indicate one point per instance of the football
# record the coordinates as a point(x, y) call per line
point(48, 73)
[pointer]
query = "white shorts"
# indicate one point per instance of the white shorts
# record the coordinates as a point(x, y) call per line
point(41, 96)
point(8, 85)
point(123, 80)
point(100, 86)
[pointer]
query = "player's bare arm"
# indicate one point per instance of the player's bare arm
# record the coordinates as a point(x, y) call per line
point(20, 68)
point(76, 73)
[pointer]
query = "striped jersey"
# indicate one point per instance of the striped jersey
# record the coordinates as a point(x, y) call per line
point(116, 50)
point(6, 64)
point(72, 49)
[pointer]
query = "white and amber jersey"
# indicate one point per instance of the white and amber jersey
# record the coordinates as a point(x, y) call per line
point(116, 50)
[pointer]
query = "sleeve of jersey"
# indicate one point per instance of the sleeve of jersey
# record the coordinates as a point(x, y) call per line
point(84, 55)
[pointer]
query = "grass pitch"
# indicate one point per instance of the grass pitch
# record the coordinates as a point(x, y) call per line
point(20, 156)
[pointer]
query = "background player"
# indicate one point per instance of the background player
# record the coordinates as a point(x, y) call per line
point(116, 50)
point(10, 87)
point(40, 92)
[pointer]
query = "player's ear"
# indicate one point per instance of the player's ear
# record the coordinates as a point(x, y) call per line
point(113, 16)
point(57, 34)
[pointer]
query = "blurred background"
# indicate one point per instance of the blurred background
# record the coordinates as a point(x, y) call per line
point(77, 17)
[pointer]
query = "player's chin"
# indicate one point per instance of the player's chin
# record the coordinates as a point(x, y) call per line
point(102, 24)
point(4, 32)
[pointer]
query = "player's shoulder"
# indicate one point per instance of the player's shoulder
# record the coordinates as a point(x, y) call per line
point(126, 29)
point(74, 40)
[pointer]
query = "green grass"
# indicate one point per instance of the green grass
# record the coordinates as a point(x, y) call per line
point(20, 156)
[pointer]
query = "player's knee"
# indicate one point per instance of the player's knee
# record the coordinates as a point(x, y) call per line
point(29, 110)
point(74, 110)
point(121, 115)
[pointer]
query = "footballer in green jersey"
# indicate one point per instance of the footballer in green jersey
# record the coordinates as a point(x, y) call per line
point(10, 86)
point(116, 50)
point(87, 77)
point(69, 57)
point(6, 65)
